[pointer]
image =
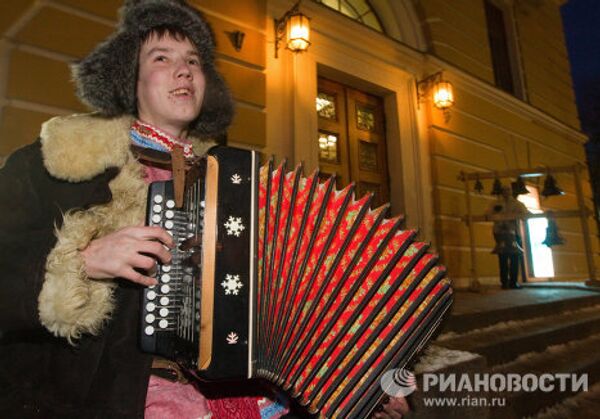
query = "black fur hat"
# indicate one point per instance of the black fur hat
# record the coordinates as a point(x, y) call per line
point(107, 78)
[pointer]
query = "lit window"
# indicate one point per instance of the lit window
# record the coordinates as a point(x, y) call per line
point(503, 47)
point(359, 10)
point(326, 106)
point(328, 151)
point(365, 118)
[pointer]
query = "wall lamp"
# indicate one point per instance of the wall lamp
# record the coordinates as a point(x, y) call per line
point(295, 28)
point(442, 92)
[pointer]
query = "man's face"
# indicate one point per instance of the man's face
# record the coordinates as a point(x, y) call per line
point(170, 86)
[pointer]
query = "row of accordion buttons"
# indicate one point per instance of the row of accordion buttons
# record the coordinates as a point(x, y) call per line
point(151, 294)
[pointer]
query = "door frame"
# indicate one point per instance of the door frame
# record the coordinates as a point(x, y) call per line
point(409, 165)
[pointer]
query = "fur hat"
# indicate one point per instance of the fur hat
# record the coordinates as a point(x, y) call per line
point(107, 78)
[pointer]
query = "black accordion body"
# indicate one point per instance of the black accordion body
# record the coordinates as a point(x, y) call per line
point(294, 282)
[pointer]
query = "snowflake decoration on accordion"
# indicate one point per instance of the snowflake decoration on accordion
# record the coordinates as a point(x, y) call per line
point(234, 226)
point(236, 179)
point(232, 284)
point(232, 338)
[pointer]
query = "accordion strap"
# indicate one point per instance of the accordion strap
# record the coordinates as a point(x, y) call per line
point(153, 156)
point(178, 163)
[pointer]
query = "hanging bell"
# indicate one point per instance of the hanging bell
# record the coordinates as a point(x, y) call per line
point(478, 186)
point(551, 188)
point(497, 187)
point(519, 188)
point(552, 236)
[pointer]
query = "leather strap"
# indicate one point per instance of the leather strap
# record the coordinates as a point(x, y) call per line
point(154, 156)
point(168, 370)
point(178, 163)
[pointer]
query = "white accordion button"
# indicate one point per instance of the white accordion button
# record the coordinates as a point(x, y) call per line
point(165, 278)
point(165, 289)
point(149, 330)
point(169, 224)
point(166, 268)
point(163, 324)
point(157, 208)
point(150, 318)
point(164, 312)
point(187, 278)
point(170, 203)
point(156, 218)
point(164, 301)
point(151, 295)
point(169, 214)
point(150, 306)
point(158, 198)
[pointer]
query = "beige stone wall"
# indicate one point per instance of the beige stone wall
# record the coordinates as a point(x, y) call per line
point(457, 34)
point(545, 60)
point(40, 39)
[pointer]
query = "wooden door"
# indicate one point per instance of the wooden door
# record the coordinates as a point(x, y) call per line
point(351, 139)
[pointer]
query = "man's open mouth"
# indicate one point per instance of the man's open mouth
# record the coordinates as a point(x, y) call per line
point(183, 91)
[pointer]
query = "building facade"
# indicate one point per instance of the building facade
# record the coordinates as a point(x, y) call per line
point(350, 103)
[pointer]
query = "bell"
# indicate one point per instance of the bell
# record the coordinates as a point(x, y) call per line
point(551, 188)
point(552, 237)
point(478, 186)
point(519, 188)
point(497, 187)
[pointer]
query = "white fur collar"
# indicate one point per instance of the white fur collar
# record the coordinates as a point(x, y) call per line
point(78, 147)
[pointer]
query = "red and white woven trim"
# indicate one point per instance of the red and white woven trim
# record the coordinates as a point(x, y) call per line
point(158, 136)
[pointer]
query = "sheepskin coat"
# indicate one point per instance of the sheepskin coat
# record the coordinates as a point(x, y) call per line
point(69, 344)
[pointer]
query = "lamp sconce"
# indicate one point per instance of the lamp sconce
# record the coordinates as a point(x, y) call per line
point(237, 39)
point(295, 28)
point(442, 92)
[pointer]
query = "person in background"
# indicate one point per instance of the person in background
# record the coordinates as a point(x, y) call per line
point(507, 236)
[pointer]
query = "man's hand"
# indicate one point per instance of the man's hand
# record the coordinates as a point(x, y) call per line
point(395, 408)
point(119, 254)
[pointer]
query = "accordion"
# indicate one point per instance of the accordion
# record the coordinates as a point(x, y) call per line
point(290, 280)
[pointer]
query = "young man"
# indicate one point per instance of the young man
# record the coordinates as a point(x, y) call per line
point(72, 211)
point(74, 248)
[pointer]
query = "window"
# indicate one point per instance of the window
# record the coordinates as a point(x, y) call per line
point(501, 35)
point(358, 10)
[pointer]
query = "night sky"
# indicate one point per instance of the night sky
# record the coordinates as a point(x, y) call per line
point(581, 20)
